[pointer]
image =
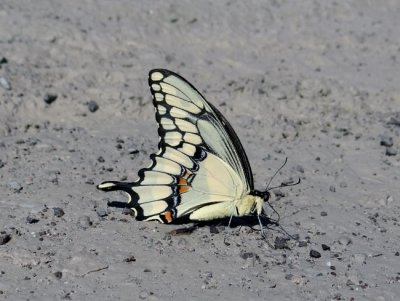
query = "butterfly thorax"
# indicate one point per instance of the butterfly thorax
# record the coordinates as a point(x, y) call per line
point(249, 205)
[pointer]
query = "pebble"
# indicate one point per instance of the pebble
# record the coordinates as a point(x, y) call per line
point(31, 219)
point(246, 255)
point(130, 259)
point(4, 238)
point(325, 247)
point(315, 254)
point(93, 106)
point(101, 212)
point(100, 159)
point(360, 258)
point(5, 84)
point(343, 184)
point(386, 141)
point(3, 60)
point(50, 98)
point(58, 212)
point(323, 213)
point(15, 186)
point(391, 151)
point(1, 163)
point(332, 188)
point(84, 222)
point(281, 243)
point(58, 275)
point(344, 240)
point(300, 168)
point(302, 243)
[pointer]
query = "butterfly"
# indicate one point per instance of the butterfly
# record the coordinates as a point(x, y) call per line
point(201, 171)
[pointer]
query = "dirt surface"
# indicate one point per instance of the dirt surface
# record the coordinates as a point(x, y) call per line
point(314, 81)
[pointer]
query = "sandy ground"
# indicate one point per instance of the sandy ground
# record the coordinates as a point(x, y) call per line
point(316, 81)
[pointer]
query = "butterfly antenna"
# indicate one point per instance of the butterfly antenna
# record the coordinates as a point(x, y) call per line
point(279, 169)
point(286, 185)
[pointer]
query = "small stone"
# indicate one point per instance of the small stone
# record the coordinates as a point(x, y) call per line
point(93, 106)
point(315, 254)
point(344, 240)
point(360, 258)
point(323, 213)
point(246, 255)
point(31, 219)
point(58, 274)
point(127, 211)
point(100, 159)
point(300, 168)
point(397, 253)
point(58, 212)
point(15, 186)
point(332, 188)
point(4, 238)
point(386, 141)
point(84, 222)
point(5, 84)
point(391, 151)
point(50, 98)
point(302, 243)
point(288, 276)
point(3, 60)
point(130, 259)
point(281, 243)
point(101, 212)
point(325, 247)
point(343, 184)
point(214, 229)
point(133, 151)
point(1, 164)
point(143, 295)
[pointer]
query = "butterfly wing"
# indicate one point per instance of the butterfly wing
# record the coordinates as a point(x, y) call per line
point(200, 161)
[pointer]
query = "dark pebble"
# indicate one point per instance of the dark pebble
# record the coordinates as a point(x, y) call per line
point(325, 247)
point(246, 255)
point(32, 220)
point(315, 254)
point(3, 61)
point(397, 253)
point(332, 188)
point(281, 243)
point(1, 164)
point(4, 238)
point(130, 259)
point(58, 275)
point(101, 159)
point(58, 212)
point(323, 213)
point(386, 141)
point(93, 106)
point(214, 229)
point(50, 98)
point(391, 151)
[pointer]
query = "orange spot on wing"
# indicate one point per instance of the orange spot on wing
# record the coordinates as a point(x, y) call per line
point(168, 216)
point(183, 189)
point(182, 181)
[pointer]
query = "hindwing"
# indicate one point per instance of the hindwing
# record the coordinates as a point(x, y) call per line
point(200, 161)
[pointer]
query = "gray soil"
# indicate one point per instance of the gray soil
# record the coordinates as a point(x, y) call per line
point(314, 81)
